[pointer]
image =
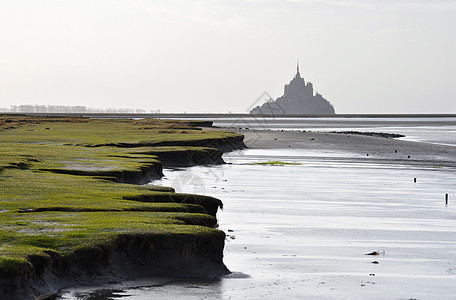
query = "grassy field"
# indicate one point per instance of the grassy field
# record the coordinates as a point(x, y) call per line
point(66, 183)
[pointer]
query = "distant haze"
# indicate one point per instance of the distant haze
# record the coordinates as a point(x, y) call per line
point(364, 56)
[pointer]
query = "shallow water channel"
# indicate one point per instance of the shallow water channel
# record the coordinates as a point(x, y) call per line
point(302, 231)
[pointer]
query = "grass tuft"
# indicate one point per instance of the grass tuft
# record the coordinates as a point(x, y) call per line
point(275, 163)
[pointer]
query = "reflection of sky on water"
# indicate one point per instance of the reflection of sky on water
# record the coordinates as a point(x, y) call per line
point(252, 155)
point(303, 230)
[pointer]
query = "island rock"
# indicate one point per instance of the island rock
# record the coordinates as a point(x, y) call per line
point(298, 99)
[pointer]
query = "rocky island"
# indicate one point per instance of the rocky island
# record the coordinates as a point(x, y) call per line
point(298, 99)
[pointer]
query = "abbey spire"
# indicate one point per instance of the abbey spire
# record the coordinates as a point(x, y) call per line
point(297, 69)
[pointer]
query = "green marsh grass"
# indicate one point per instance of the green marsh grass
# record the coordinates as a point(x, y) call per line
point(59, 191)
point(275, 163)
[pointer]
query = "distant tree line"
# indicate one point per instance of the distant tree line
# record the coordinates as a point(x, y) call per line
point(73, 109)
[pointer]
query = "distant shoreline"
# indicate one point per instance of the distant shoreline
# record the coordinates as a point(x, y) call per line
point(226, 115)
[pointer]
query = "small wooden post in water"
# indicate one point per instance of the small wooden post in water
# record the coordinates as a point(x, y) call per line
point(446, 199)
point(414, 180)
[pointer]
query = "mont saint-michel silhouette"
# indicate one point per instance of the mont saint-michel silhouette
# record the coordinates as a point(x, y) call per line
point(298, 99)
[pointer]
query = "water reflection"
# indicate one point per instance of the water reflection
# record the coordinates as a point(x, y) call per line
point(302, 231)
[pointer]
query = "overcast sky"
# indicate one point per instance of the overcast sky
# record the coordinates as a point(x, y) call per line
point(364, 56)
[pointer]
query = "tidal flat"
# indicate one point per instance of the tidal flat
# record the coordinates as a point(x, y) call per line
point(302, 230)
point(72, 211)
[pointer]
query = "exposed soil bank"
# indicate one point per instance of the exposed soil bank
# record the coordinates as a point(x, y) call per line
point(199, 152)
point(188, 157)
point(210, 204)
point(145, 174)
point(224, 144)
point(129, 256)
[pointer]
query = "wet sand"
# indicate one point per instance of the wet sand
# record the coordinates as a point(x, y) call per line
point(362, 147)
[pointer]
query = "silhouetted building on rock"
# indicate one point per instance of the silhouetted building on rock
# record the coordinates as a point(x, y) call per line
point(298, 99)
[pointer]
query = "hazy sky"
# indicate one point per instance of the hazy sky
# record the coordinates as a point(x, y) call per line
point(364, 56)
